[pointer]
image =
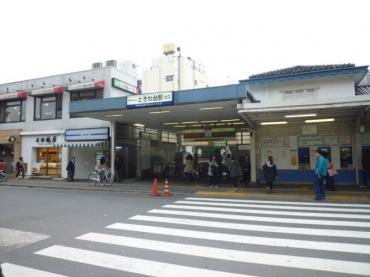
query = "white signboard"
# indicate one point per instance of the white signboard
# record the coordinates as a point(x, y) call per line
point(149, 100)
point(309, 130)
point(275, 141)
point(310, 141)
point(87, 134)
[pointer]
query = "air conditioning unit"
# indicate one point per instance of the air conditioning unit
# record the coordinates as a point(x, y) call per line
point(112, 63)
point(97, 65)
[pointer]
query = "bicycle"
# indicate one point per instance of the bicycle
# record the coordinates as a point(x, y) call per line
point(104, 178)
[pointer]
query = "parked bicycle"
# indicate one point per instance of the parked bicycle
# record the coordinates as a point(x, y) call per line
point(3, 176)
point(104, 178)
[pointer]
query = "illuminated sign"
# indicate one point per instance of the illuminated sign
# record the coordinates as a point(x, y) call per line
point(149, 100)
point(123, 86)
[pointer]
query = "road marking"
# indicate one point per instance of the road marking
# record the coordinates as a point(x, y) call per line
point(15, 238)
point(253, 227)
point(134, 265)
point(268, 212)
point(282, 202)
point(331, 265)
point(323, 222)
point(22, 271)
point(276, 242)
point(319, 209)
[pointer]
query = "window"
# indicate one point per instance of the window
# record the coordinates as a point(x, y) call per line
point(86, 94)
point(12, 111)
point(169, 137)
point(48, 107)
point(169, 78)
point(243, 138)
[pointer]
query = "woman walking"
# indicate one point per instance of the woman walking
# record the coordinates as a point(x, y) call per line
point(330, 181)
point(189, 168)
point(270, 173)
point(19, 167)
point(213, 172)
point(234, 172)
point(321, 171)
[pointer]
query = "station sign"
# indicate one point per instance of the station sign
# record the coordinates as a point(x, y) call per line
point(149, 100)
point(123, 86)
point(87, 134)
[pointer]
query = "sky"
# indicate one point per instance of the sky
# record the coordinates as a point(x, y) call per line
point(231, 38)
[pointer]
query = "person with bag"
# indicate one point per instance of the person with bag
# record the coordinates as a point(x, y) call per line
point(269, 173)
point(19, 167)
point(330, 181)
point(321, 171)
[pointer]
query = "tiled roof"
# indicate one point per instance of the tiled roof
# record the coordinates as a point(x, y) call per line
point(301, 69)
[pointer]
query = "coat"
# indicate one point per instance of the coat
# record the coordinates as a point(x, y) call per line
point(234, 169)
point(189, 166)
point(321, 167)
point(269, 172)
point(71, 167)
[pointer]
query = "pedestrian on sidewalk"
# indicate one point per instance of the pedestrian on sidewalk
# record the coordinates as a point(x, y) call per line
point(365, 168)
point(246, 169)
point(19, 167)
point(321, 171)
point(213, 172)
point(71, 169)
point(330, 181)
point(189, 168)
point(234, 172)
point(269, 173)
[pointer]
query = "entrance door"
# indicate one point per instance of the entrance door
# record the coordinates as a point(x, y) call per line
point(50, 161)
point(7, 157)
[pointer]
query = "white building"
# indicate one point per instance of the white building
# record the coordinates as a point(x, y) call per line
point(173, 72)
point(35, 122)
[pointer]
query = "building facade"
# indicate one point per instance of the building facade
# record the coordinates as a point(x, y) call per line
point(35, 121)
point(174, 72)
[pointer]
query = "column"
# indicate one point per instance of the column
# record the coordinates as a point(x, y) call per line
point(113, 146)
point(252, 157)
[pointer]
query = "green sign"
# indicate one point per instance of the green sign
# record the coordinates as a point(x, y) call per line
point(123, 86)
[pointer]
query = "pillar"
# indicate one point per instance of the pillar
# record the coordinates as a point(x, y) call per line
point(113, 146)
point(253, 158)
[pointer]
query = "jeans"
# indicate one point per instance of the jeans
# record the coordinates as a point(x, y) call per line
point(319, 187)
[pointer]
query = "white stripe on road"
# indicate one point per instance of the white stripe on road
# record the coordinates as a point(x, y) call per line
point(15, 238)
point(134, 265)
point(331, 265)
point(253, 227)
point(323, 222)
point(326, 204)
point(276, 242)
point(268, 212)
point(319, 209)
point(22, 271)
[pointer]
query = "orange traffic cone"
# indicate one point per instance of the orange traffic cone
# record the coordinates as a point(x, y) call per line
point(155, 188)
point(166, 191)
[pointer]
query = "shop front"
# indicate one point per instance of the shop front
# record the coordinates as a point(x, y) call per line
point(10, 149)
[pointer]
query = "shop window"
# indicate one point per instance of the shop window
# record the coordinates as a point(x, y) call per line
point(346, 160)
point(86, 94)
point(48, 107)
point(49, 162)
point(12, 111)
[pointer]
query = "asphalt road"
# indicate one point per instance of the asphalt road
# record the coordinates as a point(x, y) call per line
point(48, 232)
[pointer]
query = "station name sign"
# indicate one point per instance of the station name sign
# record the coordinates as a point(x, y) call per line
point(149, 100)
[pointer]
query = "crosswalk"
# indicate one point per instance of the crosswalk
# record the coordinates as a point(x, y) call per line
point(221, 237)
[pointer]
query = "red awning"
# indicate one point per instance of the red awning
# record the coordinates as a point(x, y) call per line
point(14, 95)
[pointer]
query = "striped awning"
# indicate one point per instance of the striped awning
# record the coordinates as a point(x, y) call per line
point(83, 144)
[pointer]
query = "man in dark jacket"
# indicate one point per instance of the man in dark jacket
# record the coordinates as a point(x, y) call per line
point(270, 173)
point(71, 169)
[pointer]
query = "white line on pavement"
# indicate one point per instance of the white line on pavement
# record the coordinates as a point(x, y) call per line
point(323, 222)
point(326, 204)
point(319, 209)
point(253, 227)
point(268, 212)
point(134, 265)
point(330, 265)
point(17, 238)
point(22, 271)
point(276, 242)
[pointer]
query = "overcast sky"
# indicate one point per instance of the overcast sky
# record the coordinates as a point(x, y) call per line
point(232, 39)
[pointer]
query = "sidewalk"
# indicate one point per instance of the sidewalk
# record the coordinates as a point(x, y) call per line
point(179, 187)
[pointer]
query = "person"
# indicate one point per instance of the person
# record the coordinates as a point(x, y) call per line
point(246, 168)
point(321, 171)
point(213, 172)
point(234, 172)
point(330, 181)
point(196, 165)
point(101, 167)
point(71, 169)
point(365, 168)
point(269, 173)
point(189, 168)
point(19, 167)
point(119, 167)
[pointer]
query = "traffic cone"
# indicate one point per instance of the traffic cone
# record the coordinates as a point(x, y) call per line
point(155, 188)
point(166, 191)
